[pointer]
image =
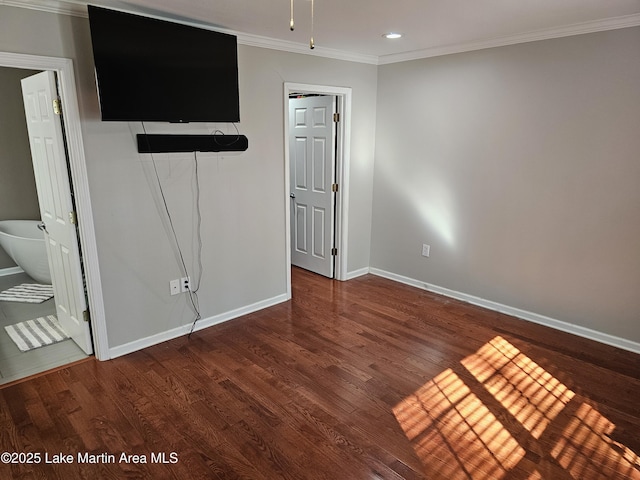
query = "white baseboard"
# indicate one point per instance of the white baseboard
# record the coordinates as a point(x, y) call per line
point(491, 305)
point(10, 271)
point(601, 337)
point(184, 329)
point(357, 273)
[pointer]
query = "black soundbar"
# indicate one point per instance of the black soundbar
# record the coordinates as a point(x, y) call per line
point(159, 143)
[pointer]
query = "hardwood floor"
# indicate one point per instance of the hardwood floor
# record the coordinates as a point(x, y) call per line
point(350, 380)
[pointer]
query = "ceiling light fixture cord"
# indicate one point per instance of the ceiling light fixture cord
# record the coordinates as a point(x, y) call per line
point(291, 23)
point(312, 44)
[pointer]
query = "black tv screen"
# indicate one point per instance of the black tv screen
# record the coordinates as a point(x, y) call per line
point(156, 70)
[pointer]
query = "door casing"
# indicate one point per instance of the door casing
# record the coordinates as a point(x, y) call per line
point(343, 150)
point(78, 170)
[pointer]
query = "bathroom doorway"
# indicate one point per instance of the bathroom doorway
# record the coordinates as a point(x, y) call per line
point(20, 201)
point(45, 358)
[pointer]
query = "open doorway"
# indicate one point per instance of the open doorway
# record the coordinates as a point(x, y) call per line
point(75, 150)
point(340, 147)
point(30, 342)
point(313, 125)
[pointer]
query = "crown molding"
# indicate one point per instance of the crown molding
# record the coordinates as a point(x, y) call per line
point(546, 34)
point(292, 47)
point(78, 8)
point(75, 9)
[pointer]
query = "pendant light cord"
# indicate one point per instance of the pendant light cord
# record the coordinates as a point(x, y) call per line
point(291, 23)
point(312, 44)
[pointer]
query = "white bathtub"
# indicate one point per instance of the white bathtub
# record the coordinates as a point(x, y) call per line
point(24, 243)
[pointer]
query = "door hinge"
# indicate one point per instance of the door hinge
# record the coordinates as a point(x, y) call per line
point(336, 117)
point(334, 187)
point(334, 251)
point(73, 219)
point(57, 106)
point(85, 315)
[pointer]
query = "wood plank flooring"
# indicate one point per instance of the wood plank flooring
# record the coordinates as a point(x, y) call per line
point(366, 379)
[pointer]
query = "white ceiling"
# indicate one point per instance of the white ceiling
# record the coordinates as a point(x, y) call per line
point(354, 28)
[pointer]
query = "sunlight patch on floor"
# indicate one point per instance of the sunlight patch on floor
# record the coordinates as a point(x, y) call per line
point(446, 421)
point(457, 435)
point(530, 393)
point(587, 453)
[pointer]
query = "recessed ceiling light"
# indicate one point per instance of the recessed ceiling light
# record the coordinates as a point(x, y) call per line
point(392, 35)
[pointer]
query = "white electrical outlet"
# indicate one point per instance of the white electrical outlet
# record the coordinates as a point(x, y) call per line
point(174, 286)
point(185, 284)
point(426, 249)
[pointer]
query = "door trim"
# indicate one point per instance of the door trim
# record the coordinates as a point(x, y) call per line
point(343, 157)
point(78, 170)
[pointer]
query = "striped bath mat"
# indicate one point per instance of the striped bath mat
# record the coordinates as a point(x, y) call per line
point(28, 293)
point(36, 333)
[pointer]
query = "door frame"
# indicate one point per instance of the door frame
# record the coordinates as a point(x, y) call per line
point(63, 67)
point(343, 157)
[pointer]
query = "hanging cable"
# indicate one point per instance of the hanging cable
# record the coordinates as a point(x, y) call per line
point(217, 133)
point(194, 293)
point(198, 224)
point(193, 296)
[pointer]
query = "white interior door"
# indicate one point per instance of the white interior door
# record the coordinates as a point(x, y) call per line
point(312, 165)
point(56, 206)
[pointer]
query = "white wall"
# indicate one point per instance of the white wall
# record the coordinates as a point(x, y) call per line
point(242, 194)
point(520, 166)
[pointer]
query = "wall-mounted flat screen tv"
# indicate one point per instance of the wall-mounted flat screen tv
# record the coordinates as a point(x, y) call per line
point(155, 70)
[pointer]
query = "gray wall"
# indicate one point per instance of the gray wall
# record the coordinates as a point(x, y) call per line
point(517, 164)
point(242, 194)
point(18, 196)
point(242, 198)
point(520, 166)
